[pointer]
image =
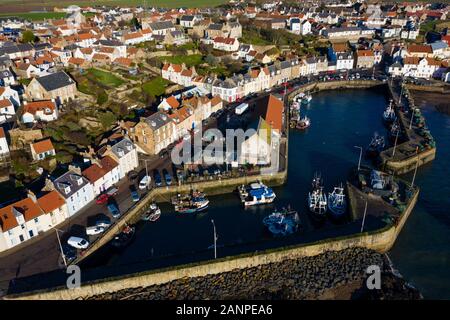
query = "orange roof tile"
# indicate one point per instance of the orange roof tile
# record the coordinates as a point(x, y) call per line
point(42, 146)
point(26, 207)
point(35, 106)
point(5, 103)
point(2, 133)
point(51, 201)
point(94, 173)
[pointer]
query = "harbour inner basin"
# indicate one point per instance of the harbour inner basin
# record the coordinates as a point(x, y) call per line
point(340, 121)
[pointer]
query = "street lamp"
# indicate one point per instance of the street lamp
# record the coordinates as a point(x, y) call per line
point(215, 239)
point(364, 217)
point(60, 246)
point(360, 156)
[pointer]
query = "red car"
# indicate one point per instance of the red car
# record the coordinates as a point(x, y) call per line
point(102, 199)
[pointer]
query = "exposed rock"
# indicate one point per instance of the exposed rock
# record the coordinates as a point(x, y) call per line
point(331, 275)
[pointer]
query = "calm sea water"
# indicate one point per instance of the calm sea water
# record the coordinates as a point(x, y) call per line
point(341, 120)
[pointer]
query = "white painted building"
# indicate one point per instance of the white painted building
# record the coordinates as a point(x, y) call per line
point(76, 190)
point(125, 153)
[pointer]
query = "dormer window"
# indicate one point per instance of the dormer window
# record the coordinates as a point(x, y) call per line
point(80, 181)
point(153, 123)
point(67, 189)
point(129, 147)
point(120, 152)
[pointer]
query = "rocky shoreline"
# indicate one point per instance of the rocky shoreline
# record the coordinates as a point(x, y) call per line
point(331, 275)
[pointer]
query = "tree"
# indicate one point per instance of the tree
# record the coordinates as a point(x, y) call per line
point(28, 36)
point(135, 23)
point(211, 60)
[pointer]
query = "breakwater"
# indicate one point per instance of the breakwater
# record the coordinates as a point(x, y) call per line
point(330, 275)
point(379, 240)
point(417, 150)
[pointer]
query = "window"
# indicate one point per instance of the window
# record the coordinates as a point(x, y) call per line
point(36, 220)
point(22, 226)
point(10, 232)
point(31, 233)
point(21, 238)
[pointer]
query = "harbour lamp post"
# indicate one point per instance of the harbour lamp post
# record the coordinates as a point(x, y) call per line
point(360, 156)
point(395, 144)
point(60, 246)
point(215, 239)
point(364, 217)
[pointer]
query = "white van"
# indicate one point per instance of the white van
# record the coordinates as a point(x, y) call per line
point(78, 243)
point(145, 182)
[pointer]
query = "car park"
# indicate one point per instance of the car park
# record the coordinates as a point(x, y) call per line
point(78, 242)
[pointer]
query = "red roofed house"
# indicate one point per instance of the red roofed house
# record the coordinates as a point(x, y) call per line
point(169, 103)
point(21, 221)
point(7, 110)
point(420, 50)
point(45, 110)
point(365, 59)
point(54, 205)
point(178, 73)
point(42, 149)
point(261, 146)
point(226, 44)
point(103, 174)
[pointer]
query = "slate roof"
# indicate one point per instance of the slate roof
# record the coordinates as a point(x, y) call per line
point(157, 120)
point(122, 146)
point(69, 179)
point(55, 81)
point(161, 25)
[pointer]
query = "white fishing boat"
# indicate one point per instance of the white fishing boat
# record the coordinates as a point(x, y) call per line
point(389, 114)
point(255, 194)
point(337, 202)
point(317, 201)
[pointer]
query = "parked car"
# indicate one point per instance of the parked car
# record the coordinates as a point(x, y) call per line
point(69, 252)
point(157, 176)
point(145, 182)
point(132, 175)
point(102, 199)
point(134, 193)
point(77, 242)
point(112, 191)
point(167, 177)
point(94, 230)
point(114, 210)
point(103, 223)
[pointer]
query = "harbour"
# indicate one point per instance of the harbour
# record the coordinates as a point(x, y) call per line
point(241, 230)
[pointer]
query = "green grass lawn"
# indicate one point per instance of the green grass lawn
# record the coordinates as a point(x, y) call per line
point(35, 16)
point(191, 60)
point(32, 4)
point(155, 87)
point(253, 37)
point(105, 78)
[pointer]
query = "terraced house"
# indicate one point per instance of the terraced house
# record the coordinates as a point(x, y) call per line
point(154, 133)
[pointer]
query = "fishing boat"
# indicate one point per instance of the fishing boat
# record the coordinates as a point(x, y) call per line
point(395, 132)
point(124, 238)
point(190, 203)
point(152, 214)
point(377, 180)
point(303, 123)
point(389, 114)
point(307, 98)
point(337, 202)
point(376, 145)
point(282, 223)
point(295, 105)
point(317, 201)
point(255, 194)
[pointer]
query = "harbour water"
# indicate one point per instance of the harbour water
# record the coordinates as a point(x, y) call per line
point(341, 120)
